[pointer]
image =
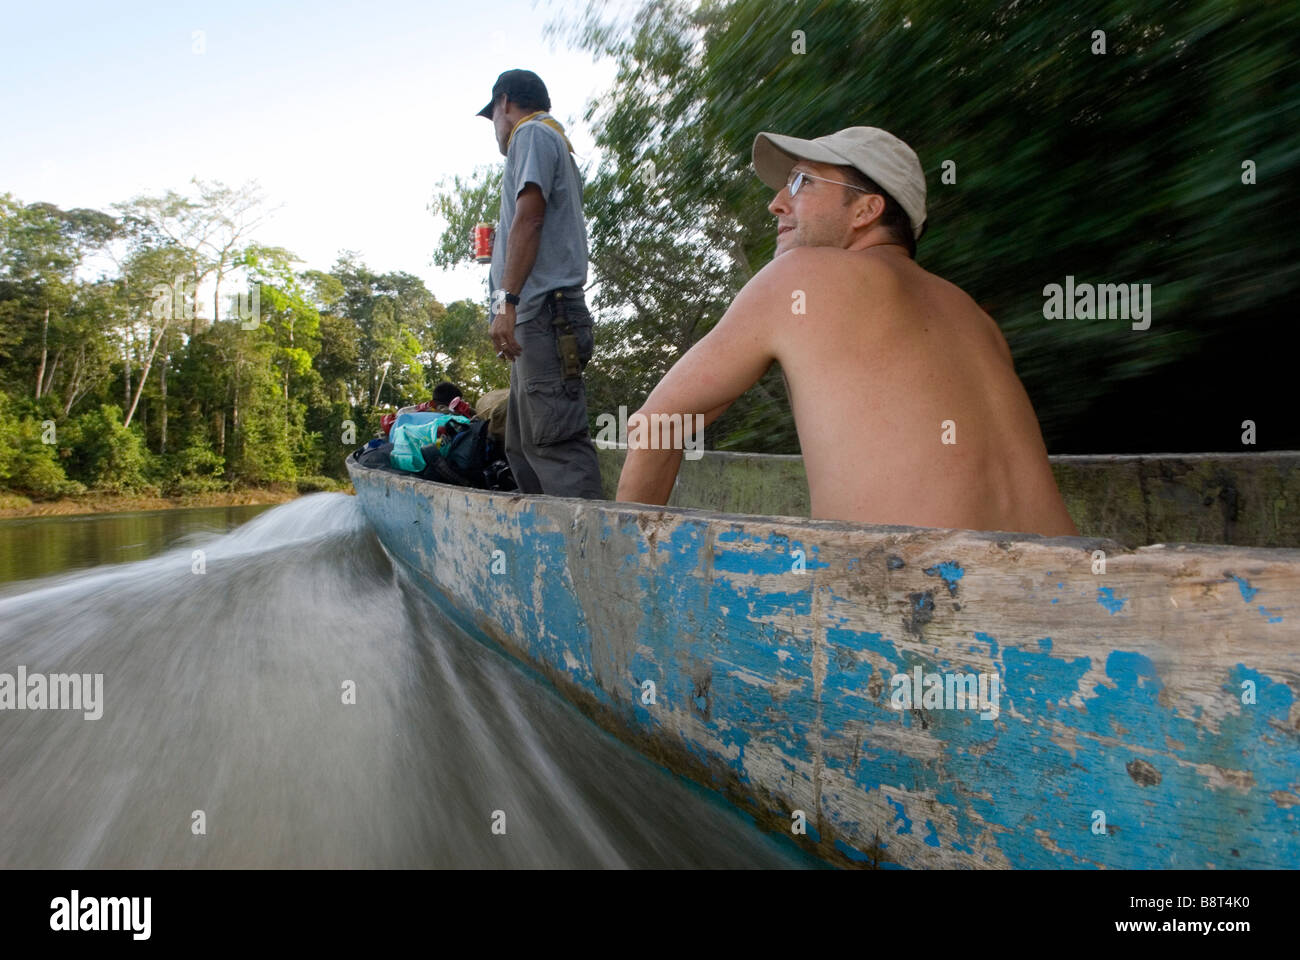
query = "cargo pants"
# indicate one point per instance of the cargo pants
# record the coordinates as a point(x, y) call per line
point(548, 444)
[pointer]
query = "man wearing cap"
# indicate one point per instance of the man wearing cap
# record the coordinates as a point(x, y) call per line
point(539, 268)
point(908, 407)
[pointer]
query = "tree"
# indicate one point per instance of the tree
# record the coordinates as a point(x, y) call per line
point(155, 301)
point(38, 257)
point(670, 228)
point(290, 316)
point(27, 462)
point(108, 455)
point(463, 204)
point(397, 319)
point(210, 227)
point(1128, 166)
point(96, 312)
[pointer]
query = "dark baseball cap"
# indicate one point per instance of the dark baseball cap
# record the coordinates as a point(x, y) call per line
point(521, 86)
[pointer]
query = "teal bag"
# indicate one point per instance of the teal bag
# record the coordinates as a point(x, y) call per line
point(419, 416)
point(409, 438)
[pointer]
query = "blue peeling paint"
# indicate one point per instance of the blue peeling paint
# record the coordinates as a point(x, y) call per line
point(985, 638)
point(872, 643)
point(1035, 679)
point(856, 856)
point(1106, 597)
point(932, 835)
point(906, 825)
point(950, 572)
point(1268, 613)
point(771, 555)
point(1247, 591)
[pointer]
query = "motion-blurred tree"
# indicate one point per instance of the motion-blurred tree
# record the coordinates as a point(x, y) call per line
point(1124, 167)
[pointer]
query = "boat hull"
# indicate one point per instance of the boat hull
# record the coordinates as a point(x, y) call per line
point(1145, 716)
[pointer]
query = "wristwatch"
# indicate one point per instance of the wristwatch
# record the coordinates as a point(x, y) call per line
point(512, 299)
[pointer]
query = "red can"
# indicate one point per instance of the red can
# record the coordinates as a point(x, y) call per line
point(484, 235)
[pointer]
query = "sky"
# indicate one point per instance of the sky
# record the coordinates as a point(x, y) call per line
point(347, 114)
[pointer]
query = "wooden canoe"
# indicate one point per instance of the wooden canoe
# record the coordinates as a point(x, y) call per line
point(1147, 712)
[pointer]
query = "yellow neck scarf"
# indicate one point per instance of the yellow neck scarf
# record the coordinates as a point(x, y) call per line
point(543, 117)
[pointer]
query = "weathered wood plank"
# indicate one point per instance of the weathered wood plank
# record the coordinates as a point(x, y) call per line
point(1159, 694)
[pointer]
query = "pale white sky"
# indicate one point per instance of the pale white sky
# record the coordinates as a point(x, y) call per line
point(346, 113)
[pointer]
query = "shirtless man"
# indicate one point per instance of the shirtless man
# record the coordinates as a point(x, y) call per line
point(878, 354)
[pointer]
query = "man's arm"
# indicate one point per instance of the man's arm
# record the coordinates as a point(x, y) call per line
point(521, 254)
point(710, 376)
point(525, 237)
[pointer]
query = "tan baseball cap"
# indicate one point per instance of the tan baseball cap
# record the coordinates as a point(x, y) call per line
point(873, 152)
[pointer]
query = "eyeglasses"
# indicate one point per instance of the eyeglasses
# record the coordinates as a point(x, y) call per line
point(795, 182)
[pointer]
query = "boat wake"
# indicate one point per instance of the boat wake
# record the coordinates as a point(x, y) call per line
point(284, 696)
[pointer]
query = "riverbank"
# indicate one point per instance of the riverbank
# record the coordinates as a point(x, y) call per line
point(13, 506)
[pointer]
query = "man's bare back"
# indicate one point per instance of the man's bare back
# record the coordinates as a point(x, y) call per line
point(908, 407)
point(884, 355)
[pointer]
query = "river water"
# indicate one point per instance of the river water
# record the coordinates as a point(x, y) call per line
point(225, 741)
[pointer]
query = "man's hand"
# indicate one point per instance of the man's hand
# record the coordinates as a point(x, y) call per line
point(502, 333)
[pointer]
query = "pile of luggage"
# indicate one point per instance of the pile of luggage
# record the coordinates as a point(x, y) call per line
point(447, 440)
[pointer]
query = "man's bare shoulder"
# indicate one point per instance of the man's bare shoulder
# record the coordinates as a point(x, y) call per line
point(798, 277)
point(785, 268)
point(779, 289)
point(808, 286)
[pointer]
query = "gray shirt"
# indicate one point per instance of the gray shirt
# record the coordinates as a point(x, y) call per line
point(537, 154)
